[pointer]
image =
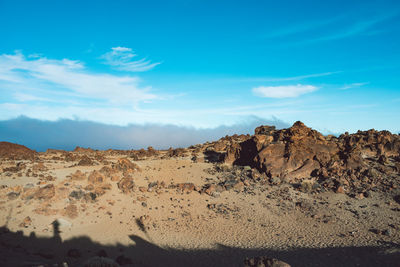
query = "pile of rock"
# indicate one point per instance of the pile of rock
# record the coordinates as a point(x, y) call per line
point(351, 163)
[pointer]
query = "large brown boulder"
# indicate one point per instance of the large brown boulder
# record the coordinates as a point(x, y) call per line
point(295, 153)
point(85, 161)
point(125, 165)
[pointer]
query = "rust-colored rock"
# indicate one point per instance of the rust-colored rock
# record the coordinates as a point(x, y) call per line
point(210, 189)
point(177, 152)
point(96, 177)
point(186, 187)
point(26, 222)
point(300, 153)
point(16, 152)
point(126, 184)
point(125, 165)
point(85, 161)
point(45, 192)
point(78, 176)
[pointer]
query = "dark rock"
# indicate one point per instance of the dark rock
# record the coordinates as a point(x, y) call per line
point(264, 262)
point(387, 232)
point(74, 253)
point(90, 196)
point(123, 260)
point(77, 194)
point(102, 253)
point(12, 195)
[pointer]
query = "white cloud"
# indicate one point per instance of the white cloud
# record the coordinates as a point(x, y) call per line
point(121, 49)
point(69, 77)
point(353, 85)
point(27, 97)
point(122, 58)
point(283, 91)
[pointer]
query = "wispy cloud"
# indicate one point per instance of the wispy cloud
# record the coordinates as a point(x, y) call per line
point(283, 91)
point(356, 28)
point(353, 85)
point(25, 75)
point(283, 79)
point(333, 29)
point(27, 97)
point(123, 58)
point(298, 28)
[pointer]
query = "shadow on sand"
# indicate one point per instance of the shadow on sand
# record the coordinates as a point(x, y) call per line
point(19, 250)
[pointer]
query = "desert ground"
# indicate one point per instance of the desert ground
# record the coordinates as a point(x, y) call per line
point(292, 194)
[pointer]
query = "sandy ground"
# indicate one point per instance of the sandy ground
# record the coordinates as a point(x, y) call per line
point(167, 227)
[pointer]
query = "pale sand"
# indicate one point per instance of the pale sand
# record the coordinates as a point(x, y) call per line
point(266, 219)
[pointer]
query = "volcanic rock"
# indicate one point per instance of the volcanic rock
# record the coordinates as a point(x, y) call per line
point(125, 165)
point(16, 152)
point(264, 262)
point(186, 187)
point(78, 176)
point(26, 222)
point(96, 177)
point(46, 192)
point(301, 153)
point(126, 184)
point(85, 161)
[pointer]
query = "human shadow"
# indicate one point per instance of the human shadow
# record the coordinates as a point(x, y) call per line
point(16, 249)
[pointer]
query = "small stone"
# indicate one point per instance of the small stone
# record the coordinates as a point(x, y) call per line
point(340, 190)
point(387, 232)
point(210, 189)
point(360, 196)
point(142, 189)
point(26, 222)
point(12, 195)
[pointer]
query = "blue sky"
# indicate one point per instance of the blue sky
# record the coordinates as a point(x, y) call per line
point(334, 65)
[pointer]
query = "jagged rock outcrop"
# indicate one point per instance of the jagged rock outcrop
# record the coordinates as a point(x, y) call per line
point(354, 162)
